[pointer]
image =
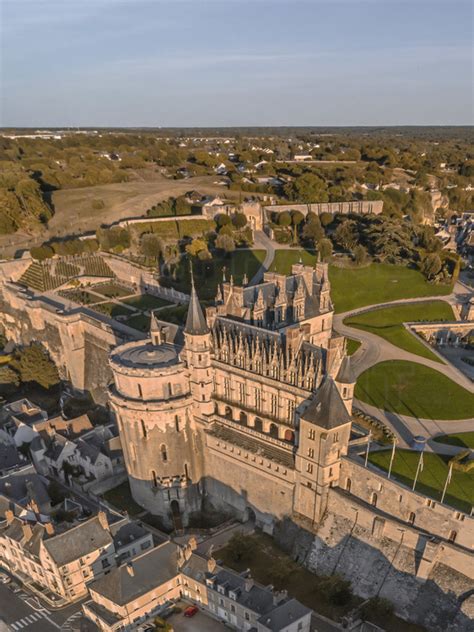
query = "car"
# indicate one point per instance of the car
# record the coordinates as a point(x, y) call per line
point(190, 611)
point(4, 578)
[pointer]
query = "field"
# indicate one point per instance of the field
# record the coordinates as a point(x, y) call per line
point(352, 345)
point(378, 283)
point(146, 301)
point(460, 492)
point(284, 259)
point(408, 388)
point(461, 440)
point(388, 322)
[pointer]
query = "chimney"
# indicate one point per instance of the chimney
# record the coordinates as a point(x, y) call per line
point(192, 543)
point(279, 597)
point(248, 584)
point(49, 528)
point(104, 523)
point(27, 531)
point(9, 516)
point(211, 565)
point(130, 570)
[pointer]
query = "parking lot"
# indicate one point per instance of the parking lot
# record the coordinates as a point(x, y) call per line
point(199, 623)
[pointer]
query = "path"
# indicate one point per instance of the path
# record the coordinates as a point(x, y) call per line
point(263, 242)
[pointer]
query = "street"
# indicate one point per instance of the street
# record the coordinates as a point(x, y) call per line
point(23, 611)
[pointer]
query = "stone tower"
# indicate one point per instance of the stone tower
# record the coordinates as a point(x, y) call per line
point(153, 403)
point(324, 433)
point(345, 381)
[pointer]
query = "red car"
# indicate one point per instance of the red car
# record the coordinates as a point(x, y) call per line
point(190, 611)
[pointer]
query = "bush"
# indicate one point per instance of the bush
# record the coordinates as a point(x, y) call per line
point(240, 546)
point(337, 590)
point(284, 219)
point(326, 219)
point(98, 204)
point(40, 253)
point(376, 609)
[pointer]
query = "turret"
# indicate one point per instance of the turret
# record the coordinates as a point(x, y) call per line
point(345, 381)
point(198, 354)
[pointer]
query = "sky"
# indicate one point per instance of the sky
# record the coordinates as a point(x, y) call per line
point(235, 62)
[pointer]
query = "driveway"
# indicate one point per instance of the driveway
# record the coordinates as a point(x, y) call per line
point(199, 623)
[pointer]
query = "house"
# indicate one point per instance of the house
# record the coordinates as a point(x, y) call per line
point(221, 169)
point(27, 489)
point(10, 458)
point(18, 420)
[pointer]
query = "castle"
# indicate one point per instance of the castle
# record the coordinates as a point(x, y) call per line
point(250, 414)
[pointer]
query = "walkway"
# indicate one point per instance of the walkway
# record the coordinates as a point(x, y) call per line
point(263, 242)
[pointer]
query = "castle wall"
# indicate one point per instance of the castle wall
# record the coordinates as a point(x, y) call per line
point(401, 502)
point(359, 207)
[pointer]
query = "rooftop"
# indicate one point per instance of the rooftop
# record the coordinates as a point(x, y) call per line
point(146, 355)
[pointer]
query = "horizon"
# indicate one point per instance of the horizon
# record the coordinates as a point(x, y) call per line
point(207, 64)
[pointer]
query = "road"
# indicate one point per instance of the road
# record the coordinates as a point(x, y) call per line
point(23, 611)
point(262, 241)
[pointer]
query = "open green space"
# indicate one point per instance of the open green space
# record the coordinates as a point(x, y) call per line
point(111, 290)
point(461, 439)
point(269, 564)
point(83, 297)
point(352, 345)
point(284, 259)
point(431, 480)
point(208, 274)
point(408, 388)
point(112, 309)
point(378, 283)
point(121, 498)
point(146, 301)
point(387, 322)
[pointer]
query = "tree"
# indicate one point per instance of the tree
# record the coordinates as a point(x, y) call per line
point(222, 220)
point(284, 219)
point(346, 234)
point(307, 188)
point(40, 253)
point(325, 249)
point(431, 265)
point(360, 254)
point(34, 365)
point(312, 230)
point(337, 590)
point(198, 248)
point(239, 220)
point(240, 546)
point(225, 242)
point(9, 376)
point(376, 609)
point(296, 218)
point(150, 246)
point(326, 219)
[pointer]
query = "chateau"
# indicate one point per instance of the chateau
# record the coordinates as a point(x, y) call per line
point(250, 414)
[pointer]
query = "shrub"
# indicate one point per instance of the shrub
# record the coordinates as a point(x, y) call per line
point(40, 253)
point(376, 609)
point(98, 204)
point(337, 590)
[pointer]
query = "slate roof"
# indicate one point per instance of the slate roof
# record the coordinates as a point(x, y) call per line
point(284, 615)
point(9, 457)
point(327, 409)
point(195, 321)
point(78, 541)
point(346, 373)
point(150, 570)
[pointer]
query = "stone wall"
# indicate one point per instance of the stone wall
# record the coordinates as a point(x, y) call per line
point(358, 207)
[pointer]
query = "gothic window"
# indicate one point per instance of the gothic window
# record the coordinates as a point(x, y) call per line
point(258, 424)
point(228, 412)
point(144, 431)
point(309, 468)
point(411, 517)
point(311, 433)
point(273, 431)
point(258, 399)
point(289, 436)
point(336, 437)
point(452, 536)
point(164, 453)
point(243, 419)
point(242, 392)
point(311, 453)
point(154, 479)
point(274, 403)
point(227, 388)
point(344, 392)
point(290, 409)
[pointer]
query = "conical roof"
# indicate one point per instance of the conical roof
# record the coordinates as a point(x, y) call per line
point(346, 373)
point(195, 321)
point(154, 326)
point(327, 409)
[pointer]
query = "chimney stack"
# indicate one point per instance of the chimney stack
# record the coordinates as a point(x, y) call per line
point(9, 516)
point(27, 531)
point(248, 584)
point(103, 520)
point(130, 570)
point(49, 528)
point(211, 565)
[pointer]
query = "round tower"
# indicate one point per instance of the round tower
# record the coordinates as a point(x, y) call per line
point(152, 400)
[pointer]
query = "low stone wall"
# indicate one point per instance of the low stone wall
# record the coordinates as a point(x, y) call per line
point(358, 207)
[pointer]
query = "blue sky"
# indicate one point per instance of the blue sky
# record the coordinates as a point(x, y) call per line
point(235, 62)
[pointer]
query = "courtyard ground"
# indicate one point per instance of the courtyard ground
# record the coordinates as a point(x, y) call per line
point(431, 480)
point(408, 388)
point(387, 322)
point(201, 622)
point(121, 498)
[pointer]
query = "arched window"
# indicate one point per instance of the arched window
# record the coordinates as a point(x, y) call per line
point(273, 431)
point(228, 412)
point(258, 424)
point(243, 419)
point(373, 500)
point(289, 436)
point(452, 536)
point(411, 517)
point(154, 479)
point(164, 453)
point(348, 484)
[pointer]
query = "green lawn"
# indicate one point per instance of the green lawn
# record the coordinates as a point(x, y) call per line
point(146, 301)
point(139, 321)
point(111, 290)
point(352, 345)
point(387, 323)
point(112, 309)
point(284, 259)
point(207, 274)
point(462, 439)
point(378, 283)
point(460, 491)
point(408, 388)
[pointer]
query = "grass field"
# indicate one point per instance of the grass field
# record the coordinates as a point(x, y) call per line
point(460, 491)
point(111, 290)
point(146, 301)
point(352, 345)
point(388, 324)
point(284, 259)
point(408, 388)
point(112, 309)
point(378, 283)
point(461, 440)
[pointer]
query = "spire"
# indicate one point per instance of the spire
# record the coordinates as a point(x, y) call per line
point(155, 330)
point(346, 373)
point(195, 322)
point(327, 408)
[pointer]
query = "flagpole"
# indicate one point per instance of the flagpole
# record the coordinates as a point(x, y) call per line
point(448, 480)
point(419, 467)
point(368, 448)
point(392, 457)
